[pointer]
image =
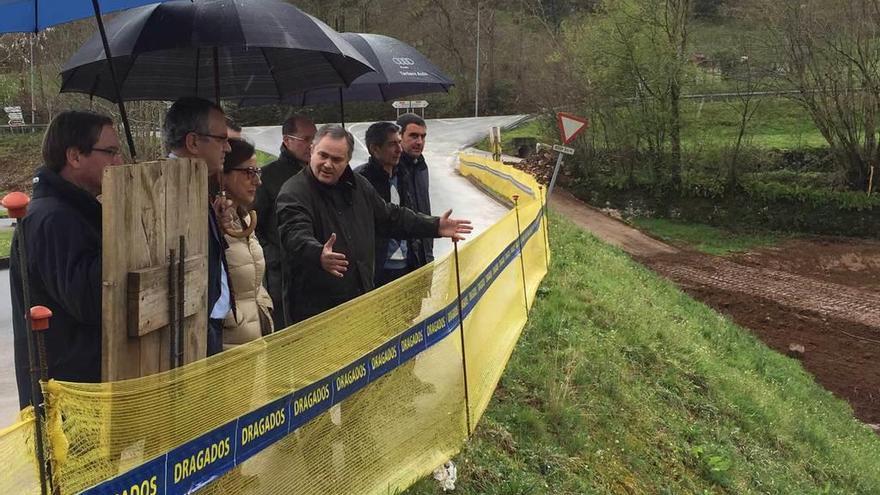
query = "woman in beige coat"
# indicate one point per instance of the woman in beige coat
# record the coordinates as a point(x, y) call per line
point(253, 306)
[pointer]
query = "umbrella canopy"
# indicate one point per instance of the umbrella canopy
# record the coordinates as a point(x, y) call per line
point(216, 49)
point(401, 70)
point(30, 16)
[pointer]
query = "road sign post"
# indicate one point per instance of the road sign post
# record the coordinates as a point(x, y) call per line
point(409, 105)
point(570, 126)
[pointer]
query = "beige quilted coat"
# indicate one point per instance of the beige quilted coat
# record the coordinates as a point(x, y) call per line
point(252, 317)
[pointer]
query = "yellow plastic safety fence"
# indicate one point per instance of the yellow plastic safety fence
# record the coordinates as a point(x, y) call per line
point(20, 469)
point(365, 398)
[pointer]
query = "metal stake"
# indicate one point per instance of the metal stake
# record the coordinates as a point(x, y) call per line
point(467, 401)
point(522, 263)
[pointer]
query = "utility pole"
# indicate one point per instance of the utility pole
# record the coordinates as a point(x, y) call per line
point(33, 104)
point(477, 82)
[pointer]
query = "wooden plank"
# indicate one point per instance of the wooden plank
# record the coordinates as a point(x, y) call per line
point(116, 182)
point(146, 207)
point(148, 295)
point(188, 216)
point(149, 249)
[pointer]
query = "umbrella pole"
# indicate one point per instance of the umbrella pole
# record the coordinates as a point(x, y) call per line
point(216, 76)
point(341, 109)
point(119, 102)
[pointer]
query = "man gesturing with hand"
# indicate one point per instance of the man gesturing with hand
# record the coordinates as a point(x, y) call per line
point(328, 218)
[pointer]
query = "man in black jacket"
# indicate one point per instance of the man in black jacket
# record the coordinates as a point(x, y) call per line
point(394, 257)
point(297, 133)
point(62, 232)
point(196, 128)
point(413, 132)
point(328, 219)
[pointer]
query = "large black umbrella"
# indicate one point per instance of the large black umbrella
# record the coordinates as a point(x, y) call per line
point(216, 49)
point(400, 71)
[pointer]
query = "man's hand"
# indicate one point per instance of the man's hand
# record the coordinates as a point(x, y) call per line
point(333, 263)
point(453, 227)
point(223, 210)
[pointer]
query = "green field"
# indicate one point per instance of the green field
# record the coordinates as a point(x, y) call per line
point(264, 158)
point(705, 238)
point(5, 242)
point(622, 384)
point(778, 123)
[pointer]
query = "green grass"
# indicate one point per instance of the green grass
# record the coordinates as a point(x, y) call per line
point(778, 123)
point(705, 238)
point(622, 384)
point(5, 241)
point(264, 158)
point(532, 128)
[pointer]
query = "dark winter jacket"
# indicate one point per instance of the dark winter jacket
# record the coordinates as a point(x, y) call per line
point(381, 182)
point(417, 171)
point(309, 212)
point(62, 231)
point(274, 176)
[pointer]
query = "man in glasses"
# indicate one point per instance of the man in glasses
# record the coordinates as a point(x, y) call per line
point(62, 232)
point(297, 133)
point(328, 219)
point(196, 128)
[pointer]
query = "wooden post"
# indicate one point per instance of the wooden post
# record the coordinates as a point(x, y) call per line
point(147, 207)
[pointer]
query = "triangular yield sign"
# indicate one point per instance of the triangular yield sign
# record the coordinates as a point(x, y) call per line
point(570, 126)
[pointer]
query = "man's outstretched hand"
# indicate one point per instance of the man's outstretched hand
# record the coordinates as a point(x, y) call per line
point(454, 227)
point(333, 263)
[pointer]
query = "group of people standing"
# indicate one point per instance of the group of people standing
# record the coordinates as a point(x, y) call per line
point(286, 241)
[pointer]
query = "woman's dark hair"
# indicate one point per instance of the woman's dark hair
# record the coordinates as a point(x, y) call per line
point(73, 128)
point(240, 152)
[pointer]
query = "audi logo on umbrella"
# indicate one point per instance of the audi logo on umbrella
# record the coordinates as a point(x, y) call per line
point(403, 61)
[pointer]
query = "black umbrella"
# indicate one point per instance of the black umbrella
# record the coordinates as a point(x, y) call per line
point(221, 49)
point(401, 70)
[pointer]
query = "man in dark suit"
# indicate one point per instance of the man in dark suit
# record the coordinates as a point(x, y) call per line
point(196, 128)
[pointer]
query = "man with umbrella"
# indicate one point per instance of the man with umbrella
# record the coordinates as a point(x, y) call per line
point(196, 128)
point(297, 132)
point(328, 219)
point(62, 234)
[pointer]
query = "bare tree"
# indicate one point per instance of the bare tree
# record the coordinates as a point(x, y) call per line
point(831, 56)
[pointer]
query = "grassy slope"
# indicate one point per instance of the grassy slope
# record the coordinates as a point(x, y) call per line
point(622, 384)
point(706, 238)
point(5, 242)
point(532, 128)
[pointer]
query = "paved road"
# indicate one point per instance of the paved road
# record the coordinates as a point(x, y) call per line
point(448, 190)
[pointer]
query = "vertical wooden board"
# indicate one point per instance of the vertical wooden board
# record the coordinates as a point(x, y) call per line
point(146, 208)
point(115, 343)
point(148, 249)
point(187, 198)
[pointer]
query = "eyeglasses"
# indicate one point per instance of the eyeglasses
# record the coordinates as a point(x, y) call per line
point(114, 152)
point(308, 139)
point(250, 171)
point(218, 138)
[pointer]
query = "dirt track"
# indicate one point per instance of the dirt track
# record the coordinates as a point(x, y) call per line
point(823, 294)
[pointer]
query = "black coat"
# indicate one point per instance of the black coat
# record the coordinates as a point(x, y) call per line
point(274, 176)
point(62, 231)
point(309, 211)
point(381, 182)
point(417, 172)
